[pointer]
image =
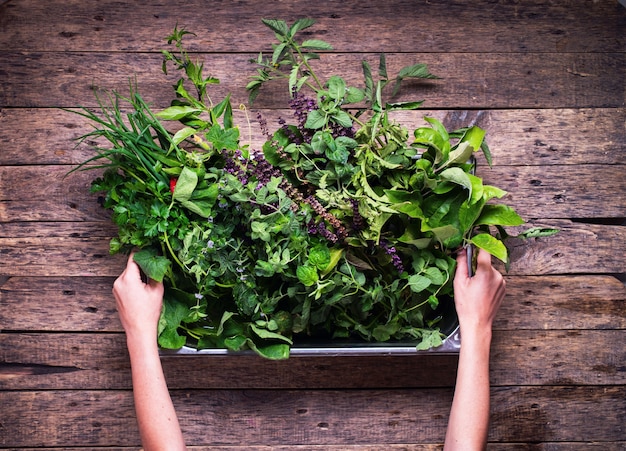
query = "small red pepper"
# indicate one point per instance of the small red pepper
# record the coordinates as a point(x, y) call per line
point(173, 184)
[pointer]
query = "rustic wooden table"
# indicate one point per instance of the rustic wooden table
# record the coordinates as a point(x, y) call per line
point(547, 81)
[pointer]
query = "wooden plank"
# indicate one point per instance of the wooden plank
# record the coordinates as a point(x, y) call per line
point(52, 361)
point(552, 80)
point(515, 137)
point(398, 25)
point(84, 304)
point(546, 446)
point(598, 250)
point(262, 417)
point(548, 192)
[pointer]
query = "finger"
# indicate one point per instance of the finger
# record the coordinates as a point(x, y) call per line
point(132, 268)
point(461, 264)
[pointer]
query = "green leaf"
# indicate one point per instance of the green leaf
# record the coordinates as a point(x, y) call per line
point(342, 118)
point(474, 136)
point(300, 24)
point(492, 245)
point(274, 351)
point(277, 26)
point(316, 119)
point(499, 215)
point(269, 335)
point(458, 176)
point(316, 44)
point(385, 331)
point(307, 275)
point(336, 87)
point(187, 182)
point(183, 134)
point(430, 339)
point(153, 265)
point(223, 138)
point(319, 256)
point(418, 283)
point(354, 95)
point(460, 154)
point(403, 106)
point(175, 113)
point(538, 232)
point(382, 66)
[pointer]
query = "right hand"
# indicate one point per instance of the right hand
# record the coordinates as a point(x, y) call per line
point(477, 298)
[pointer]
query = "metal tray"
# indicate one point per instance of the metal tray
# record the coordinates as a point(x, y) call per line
point(450, 328)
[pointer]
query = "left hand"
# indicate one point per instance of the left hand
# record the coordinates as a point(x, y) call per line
point(139, 304)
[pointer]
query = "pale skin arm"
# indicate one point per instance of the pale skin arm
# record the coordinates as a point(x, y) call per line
point(139, 305)
point(477, 301)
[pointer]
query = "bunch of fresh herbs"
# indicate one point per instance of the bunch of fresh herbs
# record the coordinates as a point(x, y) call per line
point(343, 226)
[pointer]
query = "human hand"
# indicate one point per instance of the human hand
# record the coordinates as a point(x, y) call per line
point(138, 303)
point(478, 298)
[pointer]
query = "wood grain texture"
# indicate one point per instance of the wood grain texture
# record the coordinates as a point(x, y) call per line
point(400, 25)
point(498, 80)
point(284, 417)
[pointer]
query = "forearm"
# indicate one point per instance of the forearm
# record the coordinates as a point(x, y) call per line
point(469, 417)
point(158, 423)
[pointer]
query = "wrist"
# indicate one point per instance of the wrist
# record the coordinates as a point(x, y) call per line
point(476, 336)
point(141, 342)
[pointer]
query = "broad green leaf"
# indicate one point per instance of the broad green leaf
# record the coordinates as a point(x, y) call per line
point(316, 119)
point(202, 208)
point(491, 192)
point(342, 118)
point(438, 127)
point(492, 245)
point(418, 283)
point(278, 52)
point(435, 275)
point(153, 265)
point(175, 113)
point(458, 176)
point(335, 256)
point(236, 342)
point(411, 209)
point(499, 215)
point(474, 136)
point(354, 95)
point(460, 154)
point(223, 138)
point(274, 351)
point(187, 182)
